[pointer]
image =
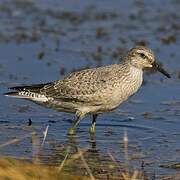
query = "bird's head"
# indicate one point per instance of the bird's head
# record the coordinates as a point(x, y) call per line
point(141, 57)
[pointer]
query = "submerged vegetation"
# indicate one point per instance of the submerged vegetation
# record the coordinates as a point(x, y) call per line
point(70, 162)
point(13, 169)
point(75, 164)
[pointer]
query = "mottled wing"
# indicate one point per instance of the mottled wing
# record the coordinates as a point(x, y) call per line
point(82, 86)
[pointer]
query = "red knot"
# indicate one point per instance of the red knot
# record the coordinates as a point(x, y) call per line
point(93, 91)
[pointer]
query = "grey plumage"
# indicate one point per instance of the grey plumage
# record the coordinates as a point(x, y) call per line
point(92, 91)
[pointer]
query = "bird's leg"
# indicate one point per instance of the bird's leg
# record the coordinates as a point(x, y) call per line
point(92, 129)
point(79, 116)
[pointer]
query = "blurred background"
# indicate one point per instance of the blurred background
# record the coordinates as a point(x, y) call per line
point(43, 40)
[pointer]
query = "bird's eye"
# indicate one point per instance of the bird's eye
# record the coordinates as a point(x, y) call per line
point(142, 55)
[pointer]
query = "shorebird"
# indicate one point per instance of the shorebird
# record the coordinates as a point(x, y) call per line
point(93, 91)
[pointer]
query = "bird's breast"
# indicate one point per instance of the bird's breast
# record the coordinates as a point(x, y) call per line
point(127, 85)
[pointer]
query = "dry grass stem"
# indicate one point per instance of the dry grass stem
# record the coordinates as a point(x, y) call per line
point(125, 140)
point(45, 134)
point(75, 156)
point(85, 164)
point(65, 158)
point(114, 160)
point(35, 148)
point(126, 155)
point(134, 176)
point(126, 176)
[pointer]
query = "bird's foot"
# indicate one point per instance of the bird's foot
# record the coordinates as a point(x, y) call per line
point(92, 129)
point(72, 131)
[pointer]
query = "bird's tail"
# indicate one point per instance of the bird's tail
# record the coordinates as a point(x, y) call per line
point(20, 94)
point(27, 92)
point(32, 88)
point(28, 95)
point(13, 94)
point(31, 92)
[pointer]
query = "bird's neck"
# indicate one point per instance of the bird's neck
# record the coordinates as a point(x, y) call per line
point(132, 72)
point(135, 72)
point(132, 78)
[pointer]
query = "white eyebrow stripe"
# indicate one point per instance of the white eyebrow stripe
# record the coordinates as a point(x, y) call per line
point(141, 51)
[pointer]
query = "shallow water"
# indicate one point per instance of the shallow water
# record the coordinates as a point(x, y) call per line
point(40, 41)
